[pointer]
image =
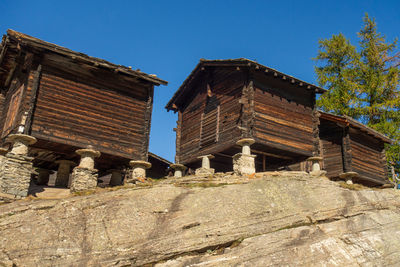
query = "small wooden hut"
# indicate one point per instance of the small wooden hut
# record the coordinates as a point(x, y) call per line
point(68, 100)
point(349, 146)
point(223, 101)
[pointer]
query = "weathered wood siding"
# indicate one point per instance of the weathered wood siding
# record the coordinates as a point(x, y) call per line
point(368, 157)
point(283, 116)
point(77, 113)
point(210, 122)
point(15, 101)
point(332, 154)
point(331, 137)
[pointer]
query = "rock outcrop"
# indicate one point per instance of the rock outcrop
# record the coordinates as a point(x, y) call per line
point(269, 219)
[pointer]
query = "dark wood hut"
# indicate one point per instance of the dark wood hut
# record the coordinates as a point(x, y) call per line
point(68, 100)
point(223, 101)
point(349, 146)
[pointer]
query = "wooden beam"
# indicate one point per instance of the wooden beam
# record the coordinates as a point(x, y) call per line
point(346, 151)
point(147, 122)
point(223, 155)
point(270, 154)
point(10, 75)
point(4, 50)
point(178, 137)
point(32, 103)
point(264, 163)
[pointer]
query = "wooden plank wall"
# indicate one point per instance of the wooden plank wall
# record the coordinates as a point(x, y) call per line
point(12, 111)
point(368, 157)
point(217, 126)
point(76, 113)
point(331, 138)
point(281, 122)
point(332, 154)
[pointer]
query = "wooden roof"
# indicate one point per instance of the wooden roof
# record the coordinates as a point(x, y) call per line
point(238, 63)
point(159, 158)
point(348, 121)
point(13, 41)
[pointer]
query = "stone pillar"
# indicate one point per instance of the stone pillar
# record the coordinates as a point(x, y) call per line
point(116, 177)
point(179, 169)
point(348, 176)
point(3, 151)
point(63, 172)
point(16, 167)
point(205, 166)
point(138, 171)
point(244, 163)
point(43, 176)
point(316, 167)
point(84, 176)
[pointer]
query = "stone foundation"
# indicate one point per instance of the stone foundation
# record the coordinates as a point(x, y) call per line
point(179, 169)
point(205, 166)
point(243, 164)
point(15, 173)
point(83, 179)
point(204, 171)
point(348, 176)
point(138, 173)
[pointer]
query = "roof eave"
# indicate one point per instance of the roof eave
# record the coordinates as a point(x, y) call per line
point(37, 43)
point(241, 62)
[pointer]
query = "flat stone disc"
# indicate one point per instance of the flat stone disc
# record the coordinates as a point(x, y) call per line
point(88, 151)
point(246, 141)
point(23, 138)
point(142, 163)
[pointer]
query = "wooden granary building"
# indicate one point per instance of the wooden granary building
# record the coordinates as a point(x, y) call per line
point(68, 100)
point(223, 101)
point(349, 146)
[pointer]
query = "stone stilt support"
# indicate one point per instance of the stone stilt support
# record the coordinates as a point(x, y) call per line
point(63, 172)
point(348, 176)
point(244, 163)
point(316, 167)
point(205, 166)
point(179, 169)
point(3, 151)
point(16, 167)
point(116, 177)
point(138, 171)
point(84, 176)
point(43, 176)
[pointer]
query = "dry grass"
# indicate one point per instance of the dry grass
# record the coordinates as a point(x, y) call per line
point(356, 187)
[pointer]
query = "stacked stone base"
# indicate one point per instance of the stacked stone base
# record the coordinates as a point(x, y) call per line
point(205, 171)
point(244, 164)
point(83, 179)
point(15, 173)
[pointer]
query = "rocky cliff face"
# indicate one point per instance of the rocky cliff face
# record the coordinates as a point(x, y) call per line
point(271, 219)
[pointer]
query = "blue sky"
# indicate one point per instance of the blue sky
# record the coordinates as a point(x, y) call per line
point(168, 38)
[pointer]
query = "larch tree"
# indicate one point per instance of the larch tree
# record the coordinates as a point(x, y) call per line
point(363, 85)
point(337, 74)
